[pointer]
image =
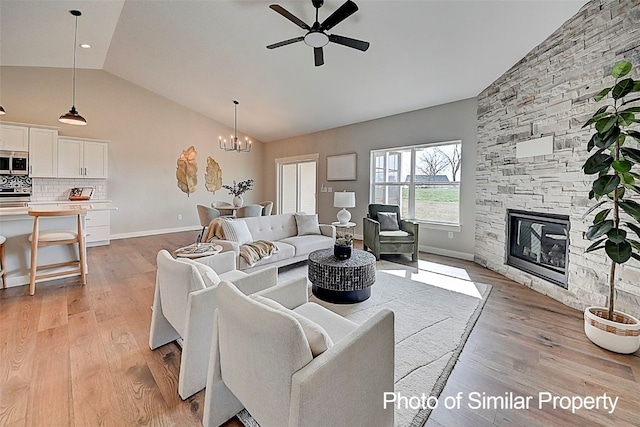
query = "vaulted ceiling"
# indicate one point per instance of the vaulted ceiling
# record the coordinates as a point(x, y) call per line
point(204, 54)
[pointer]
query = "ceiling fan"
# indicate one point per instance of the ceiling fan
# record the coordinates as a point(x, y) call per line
point(316, 36)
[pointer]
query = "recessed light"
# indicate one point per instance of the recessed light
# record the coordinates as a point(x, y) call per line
point(85, 46)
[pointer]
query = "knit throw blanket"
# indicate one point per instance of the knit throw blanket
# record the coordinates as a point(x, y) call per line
point(255, 251)
point(251, 252)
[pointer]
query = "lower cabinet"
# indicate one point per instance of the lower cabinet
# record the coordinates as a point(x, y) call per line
point(98, 228)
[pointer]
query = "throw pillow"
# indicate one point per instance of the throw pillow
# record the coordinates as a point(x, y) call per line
point(307, 224)
point(319, 340)
point(209, 276)
point(236, 231)
point(388, 221)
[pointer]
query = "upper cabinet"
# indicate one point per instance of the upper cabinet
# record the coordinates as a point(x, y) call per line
point(14, 138)
point(43, 153)
point(82, 158)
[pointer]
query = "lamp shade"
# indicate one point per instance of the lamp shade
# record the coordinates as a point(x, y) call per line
point(344, 199)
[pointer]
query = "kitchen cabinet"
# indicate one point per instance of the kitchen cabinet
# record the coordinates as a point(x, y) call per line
point(82, 158)
point(14, 138)
point(43, 153)
point(98, 227)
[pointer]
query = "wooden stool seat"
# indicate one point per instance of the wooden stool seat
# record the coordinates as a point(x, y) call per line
point(59, 237)
point(3, 262)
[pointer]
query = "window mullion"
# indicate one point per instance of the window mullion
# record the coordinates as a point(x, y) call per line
point(412, 185)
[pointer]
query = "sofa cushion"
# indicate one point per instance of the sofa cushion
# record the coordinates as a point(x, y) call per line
point(336, 326)
point(272, 227)
point(209, 276)
point(285, 251)
point(307, 244)
point(388, 221)
point(307, 224)
point(237, 231)
point(319, 340)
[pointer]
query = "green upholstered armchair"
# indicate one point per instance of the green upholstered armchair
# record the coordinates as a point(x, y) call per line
point(388, 238)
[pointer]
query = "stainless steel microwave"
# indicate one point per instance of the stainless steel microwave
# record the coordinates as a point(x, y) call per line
point(14, 162)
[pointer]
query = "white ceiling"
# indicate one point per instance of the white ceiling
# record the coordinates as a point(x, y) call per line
point(204, 54)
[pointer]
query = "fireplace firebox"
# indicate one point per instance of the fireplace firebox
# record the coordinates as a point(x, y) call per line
point(538, 243)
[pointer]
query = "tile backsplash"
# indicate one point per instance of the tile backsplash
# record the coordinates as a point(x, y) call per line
point(57, 189)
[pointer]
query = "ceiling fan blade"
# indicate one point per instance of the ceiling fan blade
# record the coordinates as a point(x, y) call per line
point(346, 41)
point(342, 13)
point(290, 16)
point(318, 56)
point(285, 42)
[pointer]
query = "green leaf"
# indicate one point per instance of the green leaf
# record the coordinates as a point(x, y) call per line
point(619, 191)
point(631, 109)
point(602, 94)
point(628, 179)
point(591, 194)
point(635, 188)
point(601, 216)
point(631, 208)
point(598, 230)
point(634, 228)
point(617, 235)
point(596, 163)
point(592, 142)
point(595, 118)
point(626, 119)
point(606, 184)
point(622, 166)
point(593, 208)
point(618, 252)
point(604, 124)
point(621, 69)
point(606, 139)
point(632, 154)
point(634, 243)
point(622, 88)
point(595, 246)
point(636, 88)
point(634, 134)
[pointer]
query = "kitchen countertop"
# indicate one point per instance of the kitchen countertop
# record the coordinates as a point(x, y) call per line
point(90, 206)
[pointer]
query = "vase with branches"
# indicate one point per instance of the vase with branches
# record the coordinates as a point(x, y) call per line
point(238, 189)
point(615, 227)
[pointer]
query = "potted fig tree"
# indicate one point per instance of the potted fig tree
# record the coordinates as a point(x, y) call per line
point(615, 227)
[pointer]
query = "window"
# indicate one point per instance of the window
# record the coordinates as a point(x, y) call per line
point(424, 180)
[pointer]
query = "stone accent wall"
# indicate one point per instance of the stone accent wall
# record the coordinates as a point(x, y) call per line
point(552, 90)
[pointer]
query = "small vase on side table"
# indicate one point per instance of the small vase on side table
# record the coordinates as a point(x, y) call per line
point(238, 201)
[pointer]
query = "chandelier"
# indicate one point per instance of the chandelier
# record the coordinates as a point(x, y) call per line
point(234, 144)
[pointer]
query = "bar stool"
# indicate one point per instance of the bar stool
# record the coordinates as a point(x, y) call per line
point(49, 238)
point(3, 262)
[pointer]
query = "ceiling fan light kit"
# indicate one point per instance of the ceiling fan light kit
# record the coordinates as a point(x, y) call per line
point(316, 36)
point(72, 117)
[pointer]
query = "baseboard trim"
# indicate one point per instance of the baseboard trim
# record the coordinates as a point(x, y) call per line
point(154, 232)
point(446, 252)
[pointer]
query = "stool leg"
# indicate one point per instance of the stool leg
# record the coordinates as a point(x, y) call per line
point(3, 266)
point(82, 250)
point(34, 256)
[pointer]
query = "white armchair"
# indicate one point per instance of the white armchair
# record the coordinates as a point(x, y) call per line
point(184, 304)
point(262, 359)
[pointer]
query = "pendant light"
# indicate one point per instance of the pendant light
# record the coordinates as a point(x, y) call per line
point(234, 143)
point(2, 112)
point(73, 117)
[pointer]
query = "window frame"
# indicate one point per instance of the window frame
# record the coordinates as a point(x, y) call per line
point(413, 149)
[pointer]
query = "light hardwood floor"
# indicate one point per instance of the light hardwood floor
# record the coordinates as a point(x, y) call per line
point(79, 356)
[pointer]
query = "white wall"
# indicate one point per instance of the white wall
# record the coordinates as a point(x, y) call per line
point(446, 122)
point(147, 134)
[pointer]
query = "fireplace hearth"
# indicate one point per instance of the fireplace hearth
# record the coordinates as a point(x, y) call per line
point(538, 243)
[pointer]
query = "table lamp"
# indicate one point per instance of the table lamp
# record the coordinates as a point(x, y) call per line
point(344, 199)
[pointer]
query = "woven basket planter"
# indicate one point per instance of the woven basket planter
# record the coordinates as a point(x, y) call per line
point(620, 336)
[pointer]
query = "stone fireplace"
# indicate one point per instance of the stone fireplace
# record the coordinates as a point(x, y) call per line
point(538, 243)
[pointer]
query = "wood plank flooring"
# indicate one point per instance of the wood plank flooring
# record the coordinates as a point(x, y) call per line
point(79, 356)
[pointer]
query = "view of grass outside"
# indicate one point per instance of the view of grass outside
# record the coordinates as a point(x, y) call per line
point(439, 204)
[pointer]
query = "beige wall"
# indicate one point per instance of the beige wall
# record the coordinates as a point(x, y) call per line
point(147, 134)
point(447, 122)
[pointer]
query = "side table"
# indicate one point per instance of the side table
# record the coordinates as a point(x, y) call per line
point(342, 281)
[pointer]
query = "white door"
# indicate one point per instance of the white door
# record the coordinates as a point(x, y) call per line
point(297, 187)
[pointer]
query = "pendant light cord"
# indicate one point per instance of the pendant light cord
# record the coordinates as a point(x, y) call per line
point(75, 42)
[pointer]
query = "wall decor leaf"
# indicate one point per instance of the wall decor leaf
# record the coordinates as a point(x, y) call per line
point(187, 171)
point(213, 175)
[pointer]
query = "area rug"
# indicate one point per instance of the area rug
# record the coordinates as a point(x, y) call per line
point(435, 310)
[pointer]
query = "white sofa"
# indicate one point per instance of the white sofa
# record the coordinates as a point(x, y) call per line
point(283, 231)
